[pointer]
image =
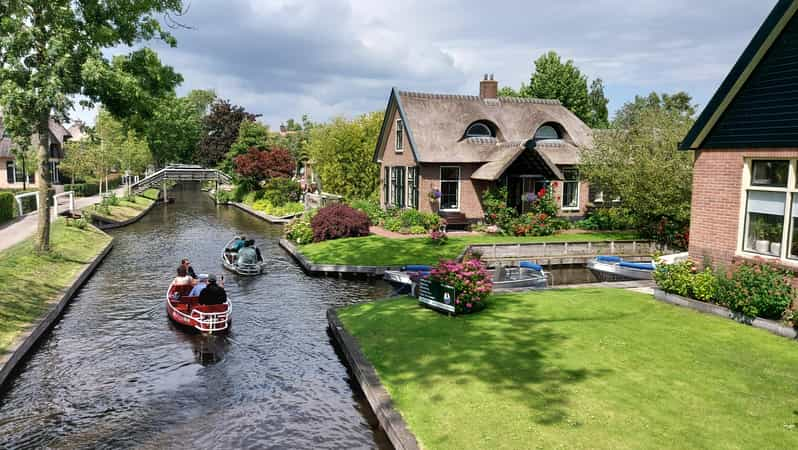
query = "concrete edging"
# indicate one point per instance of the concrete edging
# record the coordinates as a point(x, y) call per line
point(110, 226)
point(721, 311)
point(314, 268)
point(380, 401)
point(26, 342)
point(266, 217)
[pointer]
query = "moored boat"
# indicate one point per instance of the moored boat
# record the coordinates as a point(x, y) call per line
point(230, 262)
point(407, 275)
point(525, 275)
point(612, 267)
point(186, 310)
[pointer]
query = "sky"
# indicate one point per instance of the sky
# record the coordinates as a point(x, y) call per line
point(286, 58)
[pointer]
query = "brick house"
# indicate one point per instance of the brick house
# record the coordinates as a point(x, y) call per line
point(745, 179)
point(461, 145)
point(12, 172)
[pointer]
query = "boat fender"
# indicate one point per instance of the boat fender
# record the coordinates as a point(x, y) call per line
point(530, 265)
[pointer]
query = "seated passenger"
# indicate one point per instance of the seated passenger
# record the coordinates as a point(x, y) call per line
point(190, 270)
point(213, 294)
point(248, 255)
point(183, 278)
point(200, 286)
point(257, 252)
point(238, 244)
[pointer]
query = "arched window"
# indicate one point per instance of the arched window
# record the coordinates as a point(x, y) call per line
point(480, 129)
point(547, 132)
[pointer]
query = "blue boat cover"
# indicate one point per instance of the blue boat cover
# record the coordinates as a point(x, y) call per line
point(609, 259)
point(640, 266)
point(417, 268)
point(531, 265)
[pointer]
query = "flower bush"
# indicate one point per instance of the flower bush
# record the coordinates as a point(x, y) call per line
point(410, 221)
point(540, 220)
point(438, 237)
point(337, 221)
point(471, 282)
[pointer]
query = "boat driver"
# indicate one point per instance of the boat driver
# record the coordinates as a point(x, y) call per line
point(213, 294)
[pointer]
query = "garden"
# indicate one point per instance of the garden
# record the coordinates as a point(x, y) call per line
point(580, 368)
point(113, 208)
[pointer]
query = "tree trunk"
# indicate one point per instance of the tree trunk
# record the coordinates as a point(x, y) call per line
point(43, 184)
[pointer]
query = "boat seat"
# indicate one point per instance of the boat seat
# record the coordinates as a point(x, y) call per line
point(416, 268)
point(182, 290)
point(211, 308)
point(609, 259)
point(531, 266)
point(639, 266)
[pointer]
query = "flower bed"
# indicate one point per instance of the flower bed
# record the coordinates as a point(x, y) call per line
point(470, 280)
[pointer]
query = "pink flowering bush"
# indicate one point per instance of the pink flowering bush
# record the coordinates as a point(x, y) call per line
point(470, 280)
point(438, 237)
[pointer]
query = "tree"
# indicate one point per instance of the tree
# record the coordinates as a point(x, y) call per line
point(28, 157)
point(51, 50)
point(342, 152)
point(553, 79)
point(258, 165)
point(175, 128)
point(220, 130)
point(507, 91)
point(679, 103)
point(251, 135)
point(637, 159)
point(76, 162)
point(297, 137)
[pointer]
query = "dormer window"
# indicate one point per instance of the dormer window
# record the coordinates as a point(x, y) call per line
point(480, 130)
point(400, 131)
point(547, 132)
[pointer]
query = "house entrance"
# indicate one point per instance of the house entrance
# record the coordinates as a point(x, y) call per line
point(522, 190)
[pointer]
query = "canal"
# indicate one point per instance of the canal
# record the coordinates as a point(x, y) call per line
point(116, 373)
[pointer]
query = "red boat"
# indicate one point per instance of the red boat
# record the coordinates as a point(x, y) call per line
point(186, 310)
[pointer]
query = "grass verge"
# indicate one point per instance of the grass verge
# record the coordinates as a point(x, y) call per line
point(586, 368)
point(125, 210)
point(29, 281)
point(382, 251)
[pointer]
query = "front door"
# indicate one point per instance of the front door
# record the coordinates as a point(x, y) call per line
point(520, 189)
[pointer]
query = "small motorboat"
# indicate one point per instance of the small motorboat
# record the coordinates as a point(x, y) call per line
point(614, 267)
point(186, 310)
point(407, 275)
point(230, 262)
point(526, 275)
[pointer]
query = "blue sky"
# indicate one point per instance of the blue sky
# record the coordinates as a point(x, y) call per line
point(284, 58)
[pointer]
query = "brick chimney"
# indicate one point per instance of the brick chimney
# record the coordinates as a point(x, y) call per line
point(488, 88)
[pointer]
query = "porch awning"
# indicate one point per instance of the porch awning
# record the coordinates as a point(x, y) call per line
point(493, 170)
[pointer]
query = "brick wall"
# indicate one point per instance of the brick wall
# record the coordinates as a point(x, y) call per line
point(717, 190)
point(392, 158)
point(470, 190)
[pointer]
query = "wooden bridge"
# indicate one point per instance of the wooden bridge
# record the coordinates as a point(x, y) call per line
point(180, 172)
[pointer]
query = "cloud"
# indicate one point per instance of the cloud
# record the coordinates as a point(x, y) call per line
point(284, 58)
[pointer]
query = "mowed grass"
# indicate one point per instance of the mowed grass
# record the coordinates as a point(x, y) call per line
point(381, 251)
point(586, 368)
point(125, 210)
point(29, 281)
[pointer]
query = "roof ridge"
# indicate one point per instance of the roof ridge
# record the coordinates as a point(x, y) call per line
point(465, 97)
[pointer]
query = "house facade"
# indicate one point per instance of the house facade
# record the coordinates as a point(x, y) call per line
point(12, 168)
point(745, 178)
point(455, 147)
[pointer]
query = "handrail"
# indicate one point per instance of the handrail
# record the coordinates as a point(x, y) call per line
point(18, 198)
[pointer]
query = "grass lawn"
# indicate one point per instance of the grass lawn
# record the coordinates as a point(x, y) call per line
point(381, 251)
point(125, 210)
point(581, 368)
point(28, 281)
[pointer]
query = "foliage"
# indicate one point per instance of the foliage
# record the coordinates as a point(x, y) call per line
point(223, 196)
point(83, 189)
point(673, 233)
point(675, 278)
point(176, 127)
point(757, 290)
point(337, 221)
point(613, 218)
point(299, 231)
point(251, 134)
point(372, 209)
point(638, 160)
point(279, 191)
point(257, 166)
point(80, 224)
point(27, 156)
point(296, 138)
point(286, 209)
point(239, 192)
point(599, 115)
point(540, 220)
point(470, 280)
point(438, 237)
point(6, 206)
point(220, 128)
point(342, 152)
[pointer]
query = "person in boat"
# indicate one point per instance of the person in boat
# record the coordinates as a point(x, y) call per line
point(190, 270)
point(238, 244)
point(202, 283)
point(183, 278)
point(248, 255)
point(213, 294)
point(257, 252)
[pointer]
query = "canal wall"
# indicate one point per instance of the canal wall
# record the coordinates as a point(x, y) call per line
point(111, 225)
point(24, 344)
point(366, 375)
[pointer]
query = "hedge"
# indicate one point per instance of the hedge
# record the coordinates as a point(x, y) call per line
point(6, 206)
point(83, 189)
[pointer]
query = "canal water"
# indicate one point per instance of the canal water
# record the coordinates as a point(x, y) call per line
point(116, 373)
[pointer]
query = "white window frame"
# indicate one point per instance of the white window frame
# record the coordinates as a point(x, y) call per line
point(789, 191)
point(399, 136)
point(13, 168)
point(578, 193)
point(459, 186)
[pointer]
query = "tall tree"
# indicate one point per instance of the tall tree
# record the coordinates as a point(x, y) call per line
point(251, 134)
point(342, 152)
point(52, 49)
point(220, 131)
point(679, 103)
point(599, 115)
point(175, 128)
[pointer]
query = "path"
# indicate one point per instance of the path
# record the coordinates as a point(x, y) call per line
point(24, 228)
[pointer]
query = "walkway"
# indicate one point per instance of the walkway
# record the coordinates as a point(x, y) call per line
point(23, 229)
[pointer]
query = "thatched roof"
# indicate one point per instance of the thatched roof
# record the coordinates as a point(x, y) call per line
point(57, 133)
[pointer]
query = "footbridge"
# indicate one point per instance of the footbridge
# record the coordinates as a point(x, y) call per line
point(180, 172)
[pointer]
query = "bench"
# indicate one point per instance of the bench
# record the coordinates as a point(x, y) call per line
point(454, 219)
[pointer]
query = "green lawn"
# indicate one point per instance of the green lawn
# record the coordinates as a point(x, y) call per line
point(586, 368)
point(125, 210)
point(28, 281)
point(381, 251)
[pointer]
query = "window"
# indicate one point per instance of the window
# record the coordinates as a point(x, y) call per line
point(387, 187)
point(400, 131)
point(412, 187)
point(450, 188)
point(547, 132)
point(771, 208)
point(10, 172)
point(398, 184)
point(570, 189)
point(480, 129)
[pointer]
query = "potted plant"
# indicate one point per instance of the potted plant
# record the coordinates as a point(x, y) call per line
point(774, 236)
point(759, 228)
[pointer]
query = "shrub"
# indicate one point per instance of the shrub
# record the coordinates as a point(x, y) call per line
point(470, 280)
point(279, 191)
point(286, 209)
point(392, 224)
point(614, 218)
point(757, 290)
point(299, 231)
point(704, 286)
point(6, 206)
point(417, 230)
point(83, 189)
point(540, 220)
point(675, 278)
point(438, 237)
point(371, 208)
point(223, 196)
point(339, 221)
point(239, 192)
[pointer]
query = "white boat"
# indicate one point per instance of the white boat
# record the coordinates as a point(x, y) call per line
point(405, 276)
point(230, 262)
point(526, 275)
point(616, 267)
